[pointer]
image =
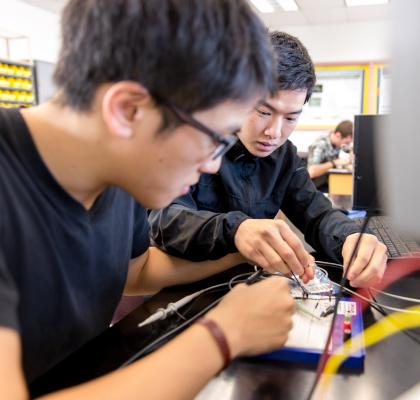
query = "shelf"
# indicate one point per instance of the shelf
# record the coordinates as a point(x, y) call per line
point(19, 64)
point(17, 102)
point(16, 89)
point(29, 78)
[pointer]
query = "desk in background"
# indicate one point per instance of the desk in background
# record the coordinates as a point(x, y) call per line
point(391, 367)
point(340, 181)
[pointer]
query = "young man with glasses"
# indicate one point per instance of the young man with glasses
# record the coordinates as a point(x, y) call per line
point(133, 124)
point(234, 210)
point(223, 143)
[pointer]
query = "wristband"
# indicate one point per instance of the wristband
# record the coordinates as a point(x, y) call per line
point(334, 164)
point(219, 338)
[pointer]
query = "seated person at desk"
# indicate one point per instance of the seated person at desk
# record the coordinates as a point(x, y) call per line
point(132, 125)
point(234, 209)
point(323, 155)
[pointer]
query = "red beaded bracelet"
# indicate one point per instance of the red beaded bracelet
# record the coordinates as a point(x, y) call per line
point(219, 337)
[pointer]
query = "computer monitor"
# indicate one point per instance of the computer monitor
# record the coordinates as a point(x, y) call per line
point(399, 154)
point(366, 188)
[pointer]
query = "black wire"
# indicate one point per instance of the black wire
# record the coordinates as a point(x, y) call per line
point(304, 291)
point(176, 312)
point(329, 264)
point(377, 307)
point(382, 311)
point(187, 308)
point(339, 296)
point(314, 298)
point(161, 338)
point(165, 336)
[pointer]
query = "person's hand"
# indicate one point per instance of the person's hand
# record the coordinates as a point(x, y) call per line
point(256, 318)
point(271, 244)
point(369, 263)
point(342, 161)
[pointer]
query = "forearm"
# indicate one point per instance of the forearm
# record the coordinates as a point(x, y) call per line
point(311, 212)
point(317, 170)
point(162, 270)
point(334, 227)
point(158, 376)
point(195, 234)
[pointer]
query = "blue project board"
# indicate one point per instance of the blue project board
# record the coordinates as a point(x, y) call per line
point(309, 334)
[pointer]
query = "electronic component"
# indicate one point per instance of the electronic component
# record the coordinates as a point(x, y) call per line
point(307, 338)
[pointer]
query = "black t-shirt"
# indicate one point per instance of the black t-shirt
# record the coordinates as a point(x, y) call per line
point(62, 268)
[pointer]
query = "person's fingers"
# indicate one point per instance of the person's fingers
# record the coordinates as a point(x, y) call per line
point(310, 268)
point(256, 257)
point(273, 262)
point(374, 270)
point(348, 249)
point(296, 245)
point(287, 255)
point(364, 254)
point(305, 277)
point(308, 274)
point(280, 255)
point(360, 262)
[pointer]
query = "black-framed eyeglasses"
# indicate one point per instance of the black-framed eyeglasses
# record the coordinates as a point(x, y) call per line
point(223, 143)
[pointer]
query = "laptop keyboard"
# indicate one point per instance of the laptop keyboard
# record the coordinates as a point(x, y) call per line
point(398, 246)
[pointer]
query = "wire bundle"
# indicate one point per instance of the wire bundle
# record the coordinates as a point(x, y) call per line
point(328, 365)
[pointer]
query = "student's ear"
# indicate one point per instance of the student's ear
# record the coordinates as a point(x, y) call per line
point(123, 104)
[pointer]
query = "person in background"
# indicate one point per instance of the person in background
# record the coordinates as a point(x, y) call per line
point(324, 153)
point(149, 95)
point(234, 210)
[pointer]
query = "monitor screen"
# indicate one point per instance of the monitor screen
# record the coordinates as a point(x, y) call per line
point(367, 134)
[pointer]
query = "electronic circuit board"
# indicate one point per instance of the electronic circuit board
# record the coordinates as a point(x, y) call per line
point(312, 321)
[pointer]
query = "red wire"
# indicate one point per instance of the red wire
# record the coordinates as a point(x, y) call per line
point(396, 269)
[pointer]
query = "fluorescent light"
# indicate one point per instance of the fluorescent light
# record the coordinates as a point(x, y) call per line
point(355, 3)
point(263, 6)
point(288, 5)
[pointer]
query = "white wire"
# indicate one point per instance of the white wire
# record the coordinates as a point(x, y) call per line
point(230, 283)
point(403, 310)
point(411, 299)
point(172, 308)
point(326, 263)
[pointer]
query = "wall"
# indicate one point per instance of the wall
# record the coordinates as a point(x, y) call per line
point(41, 27)
point(330, 43)
point(345, 43)
point(352, 42)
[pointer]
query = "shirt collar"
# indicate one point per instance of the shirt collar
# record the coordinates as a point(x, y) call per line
point(240, 152)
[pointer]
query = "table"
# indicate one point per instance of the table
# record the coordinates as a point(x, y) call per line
point(391, 367)
point(340, 181)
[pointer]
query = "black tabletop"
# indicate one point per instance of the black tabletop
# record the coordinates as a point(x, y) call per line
point(391, 367)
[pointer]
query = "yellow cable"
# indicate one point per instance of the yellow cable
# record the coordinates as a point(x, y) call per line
point(387, 326)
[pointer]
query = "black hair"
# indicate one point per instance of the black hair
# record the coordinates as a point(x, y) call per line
point(295, 69)
point(193, 53)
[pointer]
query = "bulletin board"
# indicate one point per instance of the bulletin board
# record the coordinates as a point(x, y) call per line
point(341, 91)
point(382, 75)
